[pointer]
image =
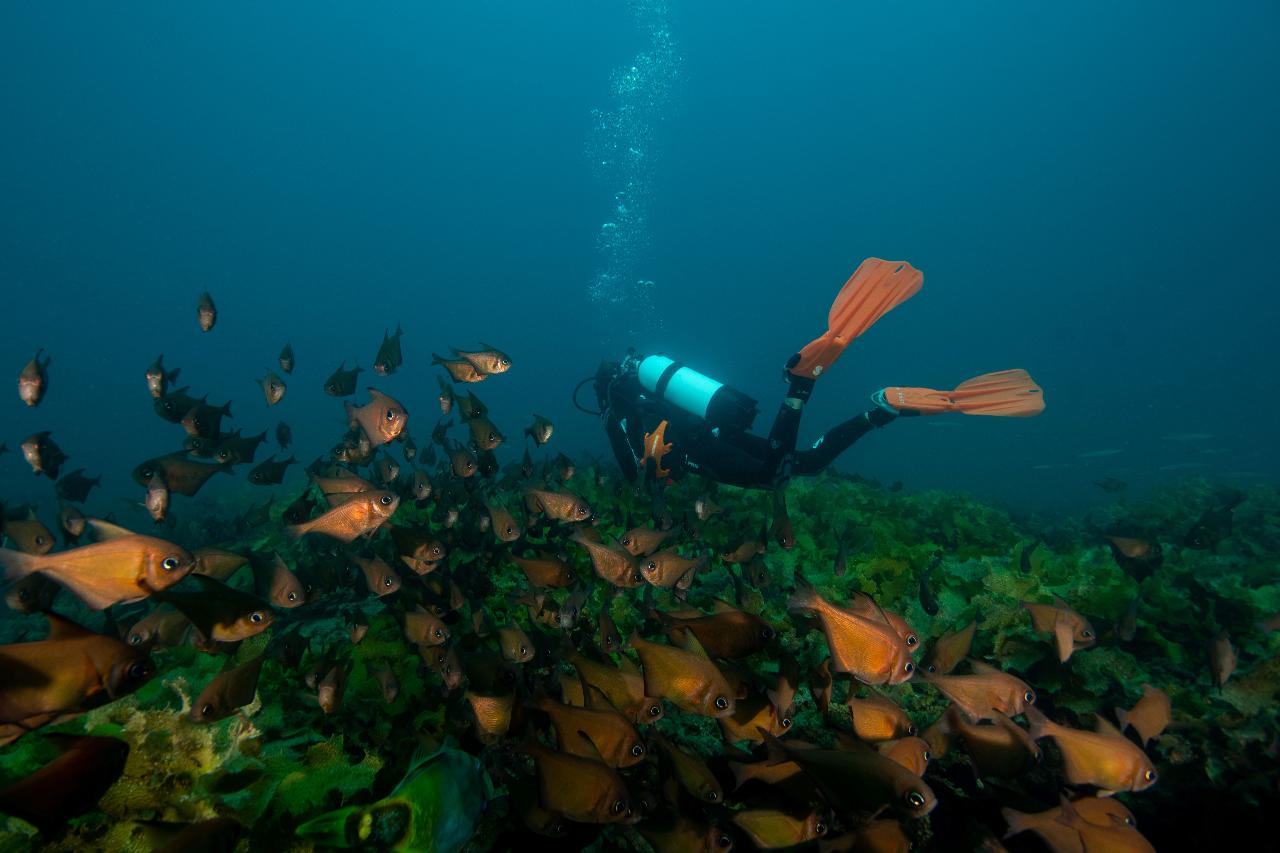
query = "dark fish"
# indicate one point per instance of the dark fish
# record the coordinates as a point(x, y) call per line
point(728, 633)
point(929, 601)
point(571, 609)
point(564, 467)
point(540, 431)
point(270, 472)
point(300, 510)
point(158, 379)
point(331, 689)
point(277, 583)
point(410, 448)
point(72, 522)
point(174, 405)
point(359, 628)
point(29, 534)
point(33, 594)
point(379, 577)
point(1214, 526)
point(204, 420)
point(286, 358)
point(420, 485)
point(389, 358)
point(445, 398)
point(236, 448)
point(462, 462)
point(581, 789)
point(230, 689)
point(284, 435)
point(214, 835)
point(1222, 659)
point(75, 487)
point(386, 470)
point(206, 313)
point(221, 612)
point(470, 406)
point(782, 532)
point(33, 381)
point(43, 455)
point(1111, 485)
point(343, 382)
point(610, 638)
point(256, 515)
point(69, 785)
point(387, 681)
point(182, 474)
point(1138, 557)
point(484, 435)
point(526, 464)
point(273, 388)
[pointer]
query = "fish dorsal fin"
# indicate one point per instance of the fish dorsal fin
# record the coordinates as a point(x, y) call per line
point(1060, 603)
point(719, 605)
point(1063, 635)
point(625, 663)
point(692, 645)
point(62, 628)
point(594, 699)
point(1103, 726)
point(593, 752)
point(875, 606)
point(104, 530)
point(984, 668)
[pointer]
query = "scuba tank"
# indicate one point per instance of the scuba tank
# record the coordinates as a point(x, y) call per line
point(699, 395)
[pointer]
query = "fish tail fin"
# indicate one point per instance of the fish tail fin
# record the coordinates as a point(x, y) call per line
point(17, 565)
point(741, 775)
point(436, 358)
point(1041, 726)
point(295, 531)
point(1015, 819)
point(1122, 717)
point(805, 596)
point(777, 753)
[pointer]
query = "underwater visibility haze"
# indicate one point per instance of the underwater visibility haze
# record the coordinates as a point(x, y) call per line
point(644, 425)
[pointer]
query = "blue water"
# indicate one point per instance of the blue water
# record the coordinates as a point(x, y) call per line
point(1090, 190)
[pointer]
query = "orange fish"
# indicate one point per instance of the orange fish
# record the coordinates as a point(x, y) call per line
point(877, 718)
point(667, 569)
point(163, 627)
point(71, 671)
point(69, 785)
point(277, 583)
point(217, 563)
point(1149, 716)
point(547, 570)
point(230, 689)
point(911, 752)
point(33, 381)
point(1002, 749)
point(378, 576)
point(771, 829)
point(987, 689)
point(685, 835)
point(1070, 630)
point(752, 718)
point(489, 360)
point(623, 686)
point(116, 571)
point(182, 474)
point(685, 677)
point(503, 523)
point(691, 772)
point(949, 649)
point(1222, 658)
point(484, 435)
point(30, 535)
point(727, 633)
point(460, 369)
point(615, 566)
point(656, 447)
point(382, 419)
point(1104, 757)
point(868, 649)
point(640, 541)
point(360, 515)
point(424, 628)
point(206, 312)
point(581, 789)
point(561, 506)
point(515, 644)
point(1063, 831)
point(596, 729)
point(492, 715)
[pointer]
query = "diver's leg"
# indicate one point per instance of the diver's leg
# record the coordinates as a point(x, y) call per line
point(837, 440)
point(786, 426)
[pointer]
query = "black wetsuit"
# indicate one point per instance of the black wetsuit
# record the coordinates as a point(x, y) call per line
point(733, 456)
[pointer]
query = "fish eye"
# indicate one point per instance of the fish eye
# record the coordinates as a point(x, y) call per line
point(786, 722)
point(927, 755)
point(637, 750)
point(915, 799)
point(146, 473)
point(724, 841)
point(387, 581)
point(1029, 697)
point(930, 668)
point(767, 633)
point(1150, 776)
point(1087, 634)
point(619, 806)
point(1129, 821)
point(712, 796)
point(722, 702)
point(257, 616)
point(169, 563)
point(524, 650)
point(651, 566)
point(206, 710)
point(39, 539)
point(909, 667)
point(141, 669)
point(654, 710)
point(135, 639)
point(293, 596)
point(637, 578)
point(391, 414)
point(912, 639)
point(385, 500)
point(625, 540)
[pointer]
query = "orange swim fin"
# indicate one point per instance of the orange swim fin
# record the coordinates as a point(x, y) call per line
point(874, 289)
point(1005, 393)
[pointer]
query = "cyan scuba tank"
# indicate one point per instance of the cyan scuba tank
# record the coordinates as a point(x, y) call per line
point(699, 395)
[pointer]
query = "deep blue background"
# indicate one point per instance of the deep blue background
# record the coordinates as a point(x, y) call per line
point(1091, 190)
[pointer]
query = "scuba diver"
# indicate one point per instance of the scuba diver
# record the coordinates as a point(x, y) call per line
point(658, 410)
